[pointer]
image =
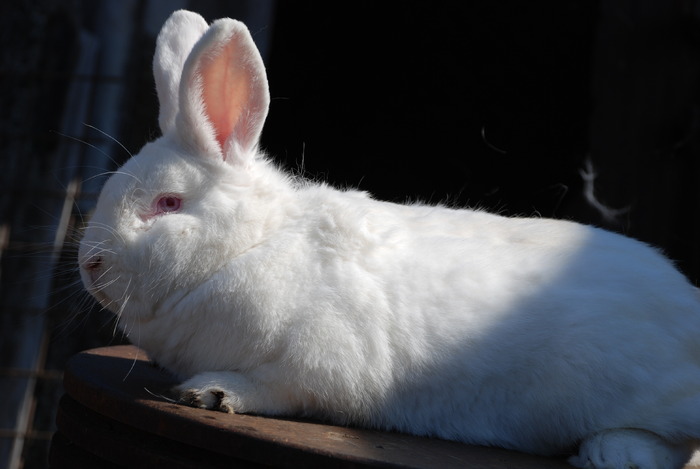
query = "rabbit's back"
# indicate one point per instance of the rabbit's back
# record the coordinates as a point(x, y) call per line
point(511, 321)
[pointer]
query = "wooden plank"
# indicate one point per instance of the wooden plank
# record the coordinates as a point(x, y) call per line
point(121, 386)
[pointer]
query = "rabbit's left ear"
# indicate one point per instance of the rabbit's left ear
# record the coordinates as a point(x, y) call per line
point(177, 37)
point(224, 95)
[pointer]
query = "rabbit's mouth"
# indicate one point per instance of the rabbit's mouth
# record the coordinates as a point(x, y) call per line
point(96, 288)
point(102, 298)
point(96, 280)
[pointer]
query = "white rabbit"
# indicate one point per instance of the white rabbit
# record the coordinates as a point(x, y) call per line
point(270, 294)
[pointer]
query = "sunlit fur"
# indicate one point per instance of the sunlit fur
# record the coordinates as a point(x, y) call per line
point(295, 298)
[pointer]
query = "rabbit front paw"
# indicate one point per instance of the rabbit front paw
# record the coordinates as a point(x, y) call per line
point(220, 391)
point(212, 399)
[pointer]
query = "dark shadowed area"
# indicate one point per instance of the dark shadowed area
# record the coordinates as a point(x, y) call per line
point(573, 109)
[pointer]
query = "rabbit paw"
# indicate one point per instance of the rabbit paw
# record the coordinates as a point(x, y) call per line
point(221, 391)
point(211, 398)
point(630, 449)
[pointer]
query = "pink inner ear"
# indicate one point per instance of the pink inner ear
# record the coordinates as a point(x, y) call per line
point(225, 90)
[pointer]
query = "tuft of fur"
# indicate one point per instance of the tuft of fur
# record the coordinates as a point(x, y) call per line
point(277, 296)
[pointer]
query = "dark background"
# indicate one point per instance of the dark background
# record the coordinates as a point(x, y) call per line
point(497, 104)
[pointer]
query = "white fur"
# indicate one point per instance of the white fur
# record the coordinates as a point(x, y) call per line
point(273, 295)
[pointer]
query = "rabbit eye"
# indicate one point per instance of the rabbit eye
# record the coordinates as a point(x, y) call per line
point(168, 204)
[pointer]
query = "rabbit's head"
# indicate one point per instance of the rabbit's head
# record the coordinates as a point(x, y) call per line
point(200, 194)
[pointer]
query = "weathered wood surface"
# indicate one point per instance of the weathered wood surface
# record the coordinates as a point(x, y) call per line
point(115, 411)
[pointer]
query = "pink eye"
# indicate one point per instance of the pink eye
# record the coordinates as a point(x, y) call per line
point(168, 204)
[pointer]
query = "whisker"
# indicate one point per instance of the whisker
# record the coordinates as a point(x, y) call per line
point(160, 396)
point(94, 147)
point(109, 229)
point(110, 137)
point(110, 173)
point(133, 364)
point(97, 250)
point(124, 301)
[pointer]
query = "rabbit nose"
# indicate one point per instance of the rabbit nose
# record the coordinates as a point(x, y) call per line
point(93, 266)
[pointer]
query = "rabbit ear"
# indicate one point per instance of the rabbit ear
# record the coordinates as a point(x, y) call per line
point(177, 37)
point(223, 93)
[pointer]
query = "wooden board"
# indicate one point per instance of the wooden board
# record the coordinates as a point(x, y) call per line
point(115, 410)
